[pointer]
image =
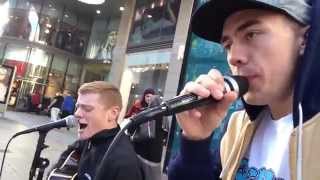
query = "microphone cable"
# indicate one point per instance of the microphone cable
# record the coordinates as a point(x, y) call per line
point(5, 152)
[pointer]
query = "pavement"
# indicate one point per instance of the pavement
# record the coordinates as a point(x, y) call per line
point(22, 148)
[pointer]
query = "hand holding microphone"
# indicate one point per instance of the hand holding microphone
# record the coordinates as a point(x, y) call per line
point(198, 123)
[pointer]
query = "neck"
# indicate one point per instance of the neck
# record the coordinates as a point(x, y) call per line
point(282, 107)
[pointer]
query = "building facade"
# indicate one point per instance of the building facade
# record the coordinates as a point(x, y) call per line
point(55, 45)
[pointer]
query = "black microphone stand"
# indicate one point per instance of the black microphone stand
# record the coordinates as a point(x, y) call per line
point(39, 162)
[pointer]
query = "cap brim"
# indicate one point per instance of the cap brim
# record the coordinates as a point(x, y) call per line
point(208, 20)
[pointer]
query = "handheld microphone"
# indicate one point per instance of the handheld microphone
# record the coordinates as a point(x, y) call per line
point(178, 104)
point(185, 102)
point(69, 122)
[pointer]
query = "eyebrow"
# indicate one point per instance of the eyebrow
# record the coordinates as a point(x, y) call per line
point(242, 27)
point(83, 105)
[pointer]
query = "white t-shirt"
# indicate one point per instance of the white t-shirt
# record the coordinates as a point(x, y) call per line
point(268, 155)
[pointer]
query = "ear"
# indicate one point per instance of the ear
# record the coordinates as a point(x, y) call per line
point(304, 37)
point(113, 113)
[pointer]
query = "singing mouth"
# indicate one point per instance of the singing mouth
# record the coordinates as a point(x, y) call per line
point(82, 126)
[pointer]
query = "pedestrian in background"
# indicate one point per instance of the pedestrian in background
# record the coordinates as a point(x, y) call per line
point(35, 100)
point(148, 137)
point(55, 107)
point(68, 104)
point(142, 103)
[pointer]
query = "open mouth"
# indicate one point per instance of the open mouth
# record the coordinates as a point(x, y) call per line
point(82, 126)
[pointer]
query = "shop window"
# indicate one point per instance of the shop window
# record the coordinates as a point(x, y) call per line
point(147, 76)
point(22, 19)
point(154, 22)
point(50, 20)
point(19, 24)
point(56, 75)
point(105, 51)
point(12, 3)
point(16, 55)
point(27, 4)
point(95, 72)
point(81, 36)
point(73, 77)
point(26, 90)
point(103, 38)
point(71, 37)
point(53, 9)
point(69, 18)
point(38, 65)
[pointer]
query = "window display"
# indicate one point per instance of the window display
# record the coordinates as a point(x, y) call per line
point(154, 22)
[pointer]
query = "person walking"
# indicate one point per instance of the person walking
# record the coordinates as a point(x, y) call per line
point(68, 105)
point(55, 107)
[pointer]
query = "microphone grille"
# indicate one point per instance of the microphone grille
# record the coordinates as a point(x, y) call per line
point(239, 84)
point(71, 121)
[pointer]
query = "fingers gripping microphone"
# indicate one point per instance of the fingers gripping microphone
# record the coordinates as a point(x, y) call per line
point(69, 122)
point(178, 104)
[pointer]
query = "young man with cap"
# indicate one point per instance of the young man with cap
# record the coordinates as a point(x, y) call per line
point(266, 42)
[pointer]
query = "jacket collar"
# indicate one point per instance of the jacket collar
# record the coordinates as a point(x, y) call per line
point(104, 134)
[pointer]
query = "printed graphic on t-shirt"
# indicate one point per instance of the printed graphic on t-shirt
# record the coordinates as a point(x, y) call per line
point(251, 173)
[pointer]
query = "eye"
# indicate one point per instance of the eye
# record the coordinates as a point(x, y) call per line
point(251, 35)
point(226, 45)
point(87, 109)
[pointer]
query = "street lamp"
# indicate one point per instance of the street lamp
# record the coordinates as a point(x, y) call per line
point(92, 1)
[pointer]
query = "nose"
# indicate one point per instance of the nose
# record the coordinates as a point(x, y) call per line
point(78, 113)
point(237, 55)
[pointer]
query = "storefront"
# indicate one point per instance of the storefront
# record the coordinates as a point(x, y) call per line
point(146, 70)
point(95, 71)
point(149, 48)
point(49, 22)
point(56, 45)
point(40, 69)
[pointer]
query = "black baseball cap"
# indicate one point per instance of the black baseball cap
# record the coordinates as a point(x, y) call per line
point(207, 22)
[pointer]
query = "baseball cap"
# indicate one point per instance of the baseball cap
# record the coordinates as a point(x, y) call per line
point(207, 22)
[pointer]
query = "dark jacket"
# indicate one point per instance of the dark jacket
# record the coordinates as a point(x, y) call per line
point(59, 101)
point(122, 163)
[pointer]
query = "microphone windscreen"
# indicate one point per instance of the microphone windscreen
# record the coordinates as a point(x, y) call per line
point(238, 84)
point(71, 121)
point(243, 84)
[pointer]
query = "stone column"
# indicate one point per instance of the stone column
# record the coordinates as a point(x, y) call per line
point(178, 49)
point(119, 52)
